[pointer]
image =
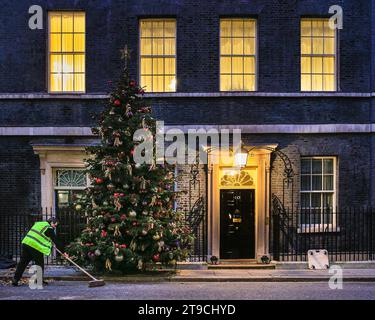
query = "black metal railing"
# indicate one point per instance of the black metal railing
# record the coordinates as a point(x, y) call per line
point(196, 220)
point(347, 233)
point(15, 225)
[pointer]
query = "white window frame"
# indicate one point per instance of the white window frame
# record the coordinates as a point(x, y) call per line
point(321, 227)
point(49, 53)
point(335, 55)
point(243, 55)
point(140, 55)
point(55, 187)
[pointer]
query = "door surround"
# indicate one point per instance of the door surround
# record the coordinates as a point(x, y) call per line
point(52, 157)
point(258, 165)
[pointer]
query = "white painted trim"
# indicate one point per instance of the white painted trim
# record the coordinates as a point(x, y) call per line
point(286, 128)
point(95, 96)
point(251, 128)
point(57, 96)
point(45, 131)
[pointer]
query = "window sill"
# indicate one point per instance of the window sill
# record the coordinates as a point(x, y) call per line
point(318, 229)
point(93, 96)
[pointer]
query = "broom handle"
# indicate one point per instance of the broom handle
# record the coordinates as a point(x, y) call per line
point(80, 268)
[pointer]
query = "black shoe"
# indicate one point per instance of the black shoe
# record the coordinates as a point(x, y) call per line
point(14, 283)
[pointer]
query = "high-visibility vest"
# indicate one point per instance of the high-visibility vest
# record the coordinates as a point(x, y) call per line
point(36, 238)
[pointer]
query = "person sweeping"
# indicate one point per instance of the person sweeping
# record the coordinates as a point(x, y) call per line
point(37, 243)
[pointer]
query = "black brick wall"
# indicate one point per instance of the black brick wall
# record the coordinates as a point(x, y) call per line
point(113, 23)
point(19, 176)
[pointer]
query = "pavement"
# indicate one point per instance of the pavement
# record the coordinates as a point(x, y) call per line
point(64, 273)
point(76, 290)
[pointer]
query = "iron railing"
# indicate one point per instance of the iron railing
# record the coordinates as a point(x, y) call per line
point(196, 220)
point(14, 226)
point(347, 233)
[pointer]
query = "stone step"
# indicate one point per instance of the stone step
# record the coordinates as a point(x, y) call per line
point(238, 261)
point(252, 266)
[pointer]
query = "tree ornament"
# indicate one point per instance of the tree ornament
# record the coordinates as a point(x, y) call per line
point(143, 184)
point(156, 257)
point(110, 186)
point(78, 207)
point(156, 237)
point(129, 169)
point(128, 111)
point(132, 214)
point(153, 201)
point(98, 180)
point(117, 204)
point(153, 165)
point(117, 232)
point(121, 155)
point(144, 232)
point(140, 264)
point(97, 252)
point(103, 234)
point(117, 103)
point(119, 258)
point(145, 213)
point(108, 265)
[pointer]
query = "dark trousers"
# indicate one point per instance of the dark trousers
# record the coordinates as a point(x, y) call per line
point(28, 254)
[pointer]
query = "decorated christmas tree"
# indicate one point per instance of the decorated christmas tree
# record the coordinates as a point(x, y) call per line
point(129, 206)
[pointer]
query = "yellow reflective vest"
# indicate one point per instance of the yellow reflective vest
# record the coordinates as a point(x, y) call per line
point(36, 238)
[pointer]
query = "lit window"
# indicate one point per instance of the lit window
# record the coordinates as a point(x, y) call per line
point(67, 52)
point(318, 190)
point(318, 55)
point(69, 185)
point(238, 55)
point(158, 55)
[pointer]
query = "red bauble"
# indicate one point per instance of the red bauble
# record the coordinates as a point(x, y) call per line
point(132, 152)
point(117, 102)
point(123, 217)
point(104, 233)
point(98, 180)
point(135, 223)
point(118, 195)
point(156, 257)
point(113, 219)
point(123, 246)
point(141, 91)
point(132, 83)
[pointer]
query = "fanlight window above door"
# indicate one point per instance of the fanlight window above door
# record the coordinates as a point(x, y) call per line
point(234, 178)
point(70, 178)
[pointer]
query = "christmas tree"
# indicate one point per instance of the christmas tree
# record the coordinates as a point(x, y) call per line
point(129, 206)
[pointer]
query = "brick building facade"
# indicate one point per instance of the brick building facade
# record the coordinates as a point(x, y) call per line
point(42, 132)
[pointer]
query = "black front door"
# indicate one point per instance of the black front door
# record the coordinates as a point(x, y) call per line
point(237, 224)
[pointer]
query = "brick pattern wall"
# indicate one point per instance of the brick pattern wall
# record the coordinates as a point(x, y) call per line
point(19, 176)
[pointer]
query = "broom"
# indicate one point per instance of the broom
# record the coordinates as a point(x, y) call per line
point(94, 283)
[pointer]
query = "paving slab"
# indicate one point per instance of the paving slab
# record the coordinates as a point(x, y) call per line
point(246, 275)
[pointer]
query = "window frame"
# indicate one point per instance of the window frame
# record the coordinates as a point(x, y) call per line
point(152, 19)
point(255, 55)
point(335, 55)
point(54, 177)
point(322, 226)
point(49, 73)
